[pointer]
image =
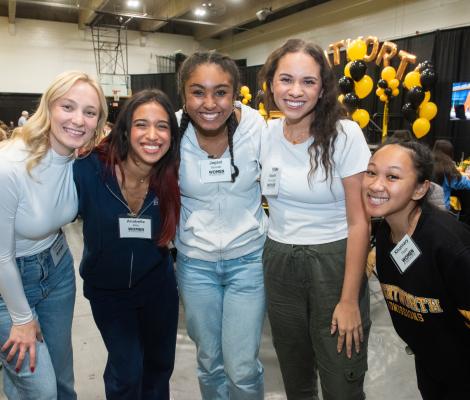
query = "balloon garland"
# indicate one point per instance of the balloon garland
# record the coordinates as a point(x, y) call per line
point(387, 88)
point(245, 93)
point(418, 110)
point(355, 84)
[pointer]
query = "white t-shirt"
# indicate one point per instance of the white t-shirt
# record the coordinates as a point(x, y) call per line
point(32, 210)
point(310, 214)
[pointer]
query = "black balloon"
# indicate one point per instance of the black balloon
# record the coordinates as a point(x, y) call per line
point(357, 69)
point(426, 64)
point(388, 92)
point(409, 112)
point(351, 101)
point(346, 85)
point(382, 83)
point(428, 78)
point(415, 96)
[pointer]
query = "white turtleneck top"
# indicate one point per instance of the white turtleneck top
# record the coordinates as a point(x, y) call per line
point(32, 210)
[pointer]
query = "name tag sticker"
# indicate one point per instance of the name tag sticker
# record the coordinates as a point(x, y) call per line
point(270, 182)
point(58, 249)
point(137, 228)
point(215, 170)
point(405, 253)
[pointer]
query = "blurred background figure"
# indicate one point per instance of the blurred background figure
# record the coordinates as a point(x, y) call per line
point(24, 117)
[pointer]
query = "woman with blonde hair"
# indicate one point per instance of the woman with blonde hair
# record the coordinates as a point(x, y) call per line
point(37, 287)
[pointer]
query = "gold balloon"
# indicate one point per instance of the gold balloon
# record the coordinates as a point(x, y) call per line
point(375, 48)
point(421, 127)
point(393, 83)
point(364, 86)
point(386, 53)
point(379, 92)
point(244, 101)
point(412, 79)
point(356, 50)
point(341, 98)
point(427, 96)
point(405, 59)
point(335, 47)
point(395, 92)
point(244, 90)
point(428, 110)
point(346, 69)
point(361, 116)
point(388, 73)
point(383, 98)
point(264, 86)
point(248, 96)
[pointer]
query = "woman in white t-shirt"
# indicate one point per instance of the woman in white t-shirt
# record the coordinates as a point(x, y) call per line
point(313, 161)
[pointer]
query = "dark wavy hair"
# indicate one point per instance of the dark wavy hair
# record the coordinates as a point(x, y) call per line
point(328, 110)
point(444, 165)
point(114, 149)
point(228, 65)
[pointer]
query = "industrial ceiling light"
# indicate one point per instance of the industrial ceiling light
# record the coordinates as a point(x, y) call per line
point(133, 3)
point(263, 13)
point(200, 12)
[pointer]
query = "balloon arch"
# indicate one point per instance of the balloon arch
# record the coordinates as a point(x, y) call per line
point(356, 85)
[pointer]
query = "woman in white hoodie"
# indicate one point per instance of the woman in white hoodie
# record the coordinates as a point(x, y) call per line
point(222, 228)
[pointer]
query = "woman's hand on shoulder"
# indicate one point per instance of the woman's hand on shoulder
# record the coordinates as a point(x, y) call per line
point(347, 322)
point(23, 339)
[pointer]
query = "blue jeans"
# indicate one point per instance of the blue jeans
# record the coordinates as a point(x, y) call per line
point(50, 291)
point(224, 304)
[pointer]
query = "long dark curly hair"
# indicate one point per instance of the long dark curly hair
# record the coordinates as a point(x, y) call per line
point(328, 110)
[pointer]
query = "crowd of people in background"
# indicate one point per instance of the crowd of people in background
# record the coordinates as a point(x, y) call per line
point(196, 177)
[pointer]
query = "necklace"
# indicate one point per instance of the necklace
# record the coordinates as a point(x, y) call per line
point(295, 138)
point(214, 146)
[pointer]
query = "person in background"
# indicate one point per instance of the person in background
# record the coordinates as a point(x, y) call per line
point(38, 197)
point(423, 264)
point(314, 259)
point(445, 172)
point(24, 117)
point(129, 201)
point(222, 228)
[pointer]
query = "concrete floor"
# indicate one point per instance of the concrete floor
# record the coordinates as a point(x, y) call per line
point(391, 373)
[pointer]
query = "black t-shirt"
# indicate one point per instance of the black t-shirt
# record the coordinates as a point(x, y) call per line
point(430, 302)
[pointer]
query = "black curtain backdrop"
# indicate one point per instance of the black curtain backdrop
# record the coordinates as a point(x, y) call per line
point(166, 82)
point(448, 50)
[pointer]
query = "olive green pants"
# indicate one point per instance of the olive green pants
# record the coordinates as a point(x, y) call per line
point(303, 285)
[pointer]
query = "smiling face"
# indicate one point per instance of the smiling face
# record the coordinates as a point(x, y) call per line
point(150, 135)
point(74, 118)
point(390, 186)
point(209, 96)
point(297, 86)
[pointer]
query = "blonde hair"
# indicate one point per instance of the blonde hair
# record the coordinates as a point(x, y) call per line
point(36, 132)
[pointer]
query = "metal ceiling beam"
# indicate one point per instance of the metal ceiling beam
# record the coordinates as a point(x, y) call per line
point(247, 14)
point(11, 11)
point(87, 13)
point(165, 11)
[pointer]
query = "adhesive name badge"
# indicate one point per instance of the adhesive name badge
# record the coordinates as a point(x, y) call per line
point(58, 249)
point(137, 228)
point(215, 170)
point(405, 253)
point(270, 182)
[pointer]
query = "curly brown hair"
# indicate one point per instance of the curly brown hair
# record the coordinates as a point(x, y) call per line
point(324, 129)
